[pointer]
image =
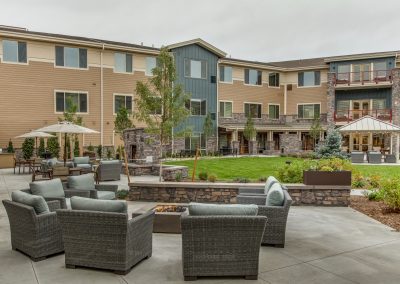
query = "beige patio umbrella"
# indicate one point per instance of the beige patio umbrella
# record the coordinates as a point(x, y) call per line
point(35, 134)
point(66, 127)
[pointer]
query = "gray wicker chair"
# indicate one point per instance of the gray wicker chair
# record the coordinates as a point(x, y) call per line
point(275, 230)
point(97, 191)
point(357, 157)
point(105, 240)
point(63, 200)
point(221, 245)
point(109, 170)
point(374, 157)
point(38, 236)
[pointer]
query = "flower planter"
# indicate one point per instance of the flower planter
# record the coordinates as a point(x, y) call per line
point(327, 178)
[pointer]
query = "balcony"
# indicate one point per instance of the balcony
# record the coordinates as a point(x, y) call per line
point(363, 78)
point(346, 116)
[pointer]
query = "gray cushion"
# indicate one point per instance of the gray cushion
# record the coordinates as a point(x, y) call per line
point(106, 195)
point(111, 162)
point(84, 182)
point(270, 181)
point(37, 202)
point(84, 166)
point(48, 188)
point(201, 209)
point(82, 203)
point(275, 196)
point(81, 160)
point(52, 162)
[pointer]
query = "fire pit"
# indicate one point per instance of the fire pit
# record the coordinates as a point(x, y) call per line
point(168, 218)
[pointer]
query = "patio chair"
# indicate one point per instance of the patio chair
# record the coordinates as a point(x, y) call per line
point(277, 215)
point(390, 158)
point(357, 157)
point(374, 157)
point(60, 172)
point(263, 191)
point(109, 170)
point(98, 234)
point(34, 228)
point(83, 163)
point(18, 163)
point(86, 183)
point(221, 240)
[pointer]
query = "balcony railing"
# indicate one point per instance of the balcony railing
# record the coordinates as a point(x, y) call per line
point(363, 77)
point(353, 114)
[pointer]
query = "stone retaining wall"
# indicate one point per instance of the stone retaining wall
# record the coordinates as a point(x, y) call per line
point(170, 173)
point(183, 192)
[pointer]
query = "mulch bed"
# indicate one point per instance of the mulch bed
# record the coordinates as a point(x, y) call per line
point(376, 210)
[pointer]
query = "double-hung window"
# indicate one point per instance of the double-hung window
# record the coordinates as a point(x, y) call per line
point(225, 74)
point(252, 77)
point(151, 63)
point(252, 110)
point(273, 111)
point(122, 101)
point(71, 101)
point(273, 79)
point(225, 109)
point(14, 51)
point(122, 62)
point(308, 111)
point(196, 69)
point(194, 141)
point(309, 78)
point(71, 57)
point(197, 107)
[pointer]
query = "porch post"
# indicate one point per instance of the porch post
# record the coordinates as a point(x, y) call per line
point(397, 148)
point(391, 143)
point(351, 142)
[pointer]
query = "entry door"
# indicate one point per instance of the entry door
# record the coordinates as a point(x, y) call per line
point(361, 142)
point(360, 109)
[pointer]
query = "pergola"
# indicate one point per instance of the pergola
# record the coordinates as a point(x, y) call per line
point(369, 124)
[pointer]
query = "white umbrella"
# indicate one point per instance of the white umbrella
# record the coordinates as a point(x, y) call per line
point(66, 127)
point(36, 135)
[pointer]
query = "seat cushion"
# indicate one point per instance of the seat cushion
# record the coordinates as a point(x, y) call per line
point(106, 195)
point(52, 162)
point(68, 202)
point(202, 209)
point(81, 160)
point(84, 166)
point(275, 196)
point(110, 162)
point(84, 182)
point(270, 181)
point(82, 203)
point(48, 188)
point(37, 202)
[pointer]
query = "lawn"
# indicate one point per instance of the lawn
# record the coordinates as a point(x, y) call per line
point(253, 168)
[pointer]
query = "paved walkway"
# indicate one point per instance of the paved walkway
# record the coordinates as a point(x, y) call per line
point(323, 245)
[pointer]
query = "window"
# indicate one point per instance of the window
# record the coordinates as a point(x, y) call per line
point(14, 51)
point(308, 111)
point(378, 104)
point(343, 72)
point(123, 62)
point(309, 78)
point(67, 100)
point(122, 101)
point(71, 57)
point(151, 63)
point(225, 74)
point(195, 69)
point(253, 110)
point(380, 69)
point(252, 77)
point(273, 79)
point(225, 109)
point(197, 107)
point(195, 141)
point(273, 111)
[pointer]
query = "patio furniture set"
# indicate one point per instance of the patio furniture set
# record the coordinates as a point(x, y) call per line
point(95, 231)
point(372, 157)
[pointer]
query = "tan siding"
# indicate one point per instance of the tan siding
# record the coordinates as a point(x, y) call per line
point(306, 95)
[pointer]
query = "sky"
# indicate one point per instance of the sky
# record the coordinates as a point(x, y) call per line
point(246, 29)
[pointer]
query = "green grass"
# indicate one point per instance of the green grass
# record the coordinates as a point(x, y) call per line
point(253, 168)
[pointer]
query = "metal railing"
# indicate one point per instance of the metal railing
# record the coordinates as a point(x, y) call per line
point(353, 114)
point(362, 77)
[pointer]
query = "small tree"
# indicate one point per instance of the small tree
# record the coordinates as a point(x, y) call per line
point(332, 146)
point(315, 130)
point(100, 151)
point(249, 131)
point(27, 148)
point(121, 123)
point(53, 146)
point(162, 93)
point(90, 148)
point(10, 148)
point(76, 148)
point(41, 149)
point(71, 116)
point(208, 129)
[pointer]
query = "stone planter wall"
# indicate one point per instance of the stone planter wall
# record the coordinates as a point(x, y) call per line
point(169, 172)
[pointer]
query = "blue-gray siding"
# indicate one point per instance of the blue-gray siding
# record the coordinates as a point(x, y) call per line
point(360, 94)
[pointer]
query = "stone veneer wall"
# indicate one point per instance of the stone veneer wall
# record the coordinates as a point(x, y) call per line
point(330, 102)
point(169, 172)
point(396, 106)
point(290, 143)
point(184, 192)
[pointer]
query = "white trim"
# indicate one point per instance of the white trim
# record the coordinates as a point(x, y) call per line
point(68, 67)
point(275, 104)
point(244, 77)
point(297, 109)
point(311, 86)
point(198, 100)
point(121, 72)
point(200, 42)
point(122, 95)
point(219, 79)
point(192, 59)
point(274, 87)
point(219, 110)
point(72, 92)
point(13, 62)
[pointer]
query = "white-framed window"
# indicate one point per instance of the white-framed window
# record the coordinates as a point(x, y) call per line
point(151, 63)
point(225, 109)
point(225, 74)
point(194, 141)
point(66, 100)
point(123, 101)
point(308, 111)
point(253, 110)
point(273, 79)
point(196, 69)
point(273, 111)
point(14, 51)
point(252, 77)
point(71, 57)
point(122, 62)
point(309, 78)
point(197, 107)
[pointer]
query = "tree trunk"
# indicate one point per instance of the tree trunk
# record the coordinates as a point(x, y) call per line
point(161, 153)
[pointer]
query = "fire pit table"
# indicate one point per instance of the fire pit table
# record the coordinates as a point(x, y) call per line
point(168, 218)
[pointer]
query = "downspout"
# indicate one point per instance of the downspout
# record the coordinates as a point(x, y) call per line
point(284, 98)
point(217, 107)
point(101, 98)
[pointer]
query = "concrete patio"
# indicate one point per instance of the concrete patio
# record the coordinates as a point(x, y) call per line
point(323, 245)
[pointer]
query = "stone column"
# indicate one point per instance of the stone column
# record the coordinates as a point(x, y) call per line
point(253, 147)
point(331, 102)
point(396, 107)
point(270, 141)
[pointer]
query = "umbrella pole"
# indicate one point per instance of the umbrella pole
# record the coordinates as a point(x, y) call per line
point(65, 149)
point(36, 146)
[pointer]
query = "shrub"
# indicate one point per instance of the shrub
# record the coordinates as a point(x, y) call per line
point(109, 154)
point(374, 195)
point(332, 147)
point(358, 181)
point(100, 151)
point(212, 178)
point(374, 181)
point(335, 164)
point(122, 194)
point(391, 193)
point(241, 180)
point(262, 179)
point(203, 175)
point(90, 148)
point(293, 172)
point(326, 169)
point(27, 148)
point(41, 149)
point(178, 177)
point(53, 146)
point(10, 148)
point(76, 148)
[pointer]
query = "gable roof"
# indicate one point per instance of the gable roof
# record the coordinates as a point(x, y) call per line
point(369, 124)
point(200, 42)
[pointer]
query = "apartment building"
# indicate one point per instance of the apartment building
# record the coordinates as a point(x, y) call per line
point(39, 71)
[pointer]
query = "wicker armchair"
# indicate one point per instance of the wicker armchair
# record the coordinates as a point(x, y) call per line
point(357, 157)
point(109, 170)
point(277, 217)
point(221, 245)
point(94, 193)
point(105, 240)
point(374, 157)
point(64, 200)
point(38, 236)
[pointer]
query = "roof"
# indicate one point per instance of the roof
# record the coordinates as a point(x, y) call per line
point(361, 56)
point(200, 42)
point(369, 124)
point(299, 63)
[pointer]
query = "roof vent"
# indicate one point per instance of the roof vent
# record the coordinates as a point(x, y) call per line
point(13, 28)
